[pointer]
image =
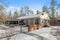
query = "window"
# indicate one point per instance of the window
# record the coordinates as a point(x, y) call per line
point(37, 21)
point(21, 22)
point(13, 22)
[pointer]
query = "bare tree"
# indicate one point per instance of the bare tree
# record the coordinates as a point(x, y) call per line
point(16, 15)
point(1, 8)
point(1, 13)
point(45, 9)
point(9, 15)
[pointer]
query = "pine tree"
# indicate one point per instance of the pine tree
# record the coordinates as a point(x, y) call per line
point(58, 7)
point(53, 4)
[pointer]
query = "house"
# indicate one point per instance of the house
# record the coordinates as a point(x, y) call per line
point(33, 22)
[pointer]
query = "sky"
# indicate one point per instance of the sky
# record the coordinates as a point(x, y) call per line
point(33, 4)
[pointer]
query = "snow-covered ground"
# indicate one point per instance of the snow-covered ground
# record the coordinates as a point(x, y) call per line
point(23, 37)
point(40, 34)
point(6, 31)
point(44, 32)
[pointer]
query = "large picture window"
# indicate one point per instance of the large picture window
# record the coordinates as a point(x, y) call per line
point(13, 22)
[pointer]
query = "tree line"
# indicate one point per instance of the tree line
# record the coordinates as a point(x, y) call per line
point(50, 10)
point(5, 16)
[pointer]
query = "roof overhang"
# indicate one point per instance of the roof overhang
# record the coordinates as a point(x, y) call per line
point(45, 16)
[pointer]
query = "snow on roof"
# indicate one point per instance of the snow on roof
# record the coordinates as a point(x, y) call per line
point(30, 16)
point(44, 16)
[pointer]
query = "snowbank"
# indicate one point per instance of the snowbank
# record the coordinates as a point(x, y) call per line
point(23, 37)
point(44, 32)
